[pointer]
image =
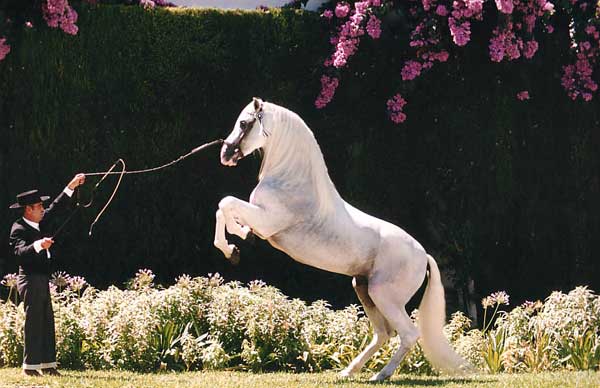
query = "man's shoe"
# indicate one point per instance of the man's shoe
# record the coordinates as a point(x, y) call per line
point(31, 372)
point(51, 372)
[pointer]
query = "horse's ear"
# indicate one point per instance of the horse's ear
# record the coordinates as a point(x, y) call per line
point(258, 104)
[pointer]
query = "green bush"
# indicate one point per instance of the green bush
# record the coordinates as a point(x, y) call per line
point(12, 320)
point(204, 323)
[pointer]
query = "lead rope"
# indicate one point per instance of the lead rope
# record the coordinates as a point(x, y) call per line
point(121, 173)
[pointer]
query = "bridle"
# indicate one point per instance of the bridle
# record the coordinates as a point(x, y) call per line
point(246, 127)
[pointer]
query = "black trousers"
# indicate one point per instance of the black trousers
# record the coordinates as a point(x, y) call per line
point(40, 344)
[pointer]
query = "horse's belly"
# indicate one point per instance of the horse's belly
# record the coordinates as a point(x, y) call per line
point(331, 254)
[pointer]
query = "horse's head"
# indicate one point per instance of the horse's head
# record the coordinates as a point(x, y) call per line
point(247, 136)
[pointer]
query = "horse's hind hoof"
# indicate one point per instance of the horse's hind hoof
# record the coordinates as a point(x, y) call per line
point(235, 256)
point(378, 377)
point(345, 374)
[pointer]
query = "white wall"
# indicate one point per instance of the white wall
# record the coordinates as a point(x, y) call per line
point(312, 5)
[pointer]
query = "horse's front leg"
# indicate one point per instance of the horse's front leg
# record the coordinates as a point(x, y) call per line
point(220, 239)
point(240, 218)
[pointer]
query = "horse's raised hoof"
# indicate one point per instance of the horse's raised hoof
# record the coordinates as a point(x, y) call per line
point(235, 256)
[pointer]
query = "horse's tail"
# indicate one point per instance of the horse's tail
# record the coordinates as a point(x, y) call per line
point(432, 316)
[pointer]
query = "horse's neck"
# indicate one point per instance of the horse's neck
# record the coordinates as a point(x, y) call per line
point(294, 157)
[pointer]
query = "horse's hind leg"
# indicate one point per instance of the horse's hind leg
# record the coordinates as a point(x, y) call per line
point(381, 328)
point(390, 303)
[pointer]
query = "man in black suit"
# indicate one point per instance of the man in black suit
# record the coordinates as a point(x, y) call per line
point(30, 242)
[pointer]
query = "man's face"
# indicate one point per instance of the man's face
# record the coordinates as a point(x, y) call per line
point(34, 212)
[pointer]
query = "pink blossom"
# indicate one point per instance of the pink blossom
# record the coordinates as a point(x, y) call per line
point(342, 10)
point(523, 95)
point(350, 33)
point(395, 105)
point(4, 48)
point(345, 48)
point(376, 3)
point(411, 70)
point(28, 24)
point(459, 20)
point(514, 36)
point(548, 6)
point(147, 4)
point(441, 10)
point(585, 45)
point(58, 13)
point(530, 48)
point(374, 27)
point(505, 44)
point(361, 6)
point(505, 6)
point(476, 8)
point(328, 87)
point(577, 79)
point(442, 56)
point(461, 33)
point(327, 14)
point(530, 22)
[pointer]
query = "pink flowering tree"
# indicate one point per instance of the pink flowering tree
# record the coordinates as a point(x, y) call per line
point(439, 29)
point(352, 22)
point(584, 34)
point(55, 14)
point(29, 13)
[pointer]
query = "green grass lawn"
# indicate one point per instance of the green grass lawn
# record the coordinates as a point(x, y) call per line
point(110, 379)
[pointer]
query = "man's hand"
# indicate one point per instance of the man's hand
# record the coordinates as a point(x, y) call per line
point(77, 180)
point(46, 242)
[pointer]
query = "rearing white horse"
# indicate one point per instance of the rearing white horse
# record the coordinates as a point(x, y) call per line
point(298, 210)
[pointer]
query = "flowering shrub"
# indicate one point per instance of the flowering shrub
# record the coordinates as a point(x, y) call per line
point(438, 26)
point(205, 323)
point(12, 320)
point(10, 281)
point(351, 22)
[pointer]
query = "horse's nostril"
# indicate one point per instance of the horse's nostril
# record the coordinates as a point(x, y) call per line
point(229, 151)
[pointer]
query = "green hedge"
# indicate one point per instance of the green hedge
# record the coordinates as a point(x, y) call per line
point(502, 191)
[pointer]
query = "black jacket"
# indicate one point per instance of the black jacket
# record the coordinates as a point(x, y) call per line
point(23, 235)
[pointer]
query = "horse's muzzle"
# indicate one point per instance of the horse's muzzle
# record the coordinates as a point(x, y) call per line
point(230, 154)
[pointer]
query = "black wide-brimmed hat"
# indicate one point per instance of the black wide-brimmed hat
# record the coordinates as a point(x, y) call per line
point(28, 198)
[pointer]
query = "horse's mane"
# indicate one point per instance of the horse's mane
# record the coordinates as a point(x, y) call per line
point(293, 155)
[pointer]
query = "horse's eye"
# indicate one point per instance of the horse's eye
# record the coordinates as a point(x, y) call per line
point(243, 125)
